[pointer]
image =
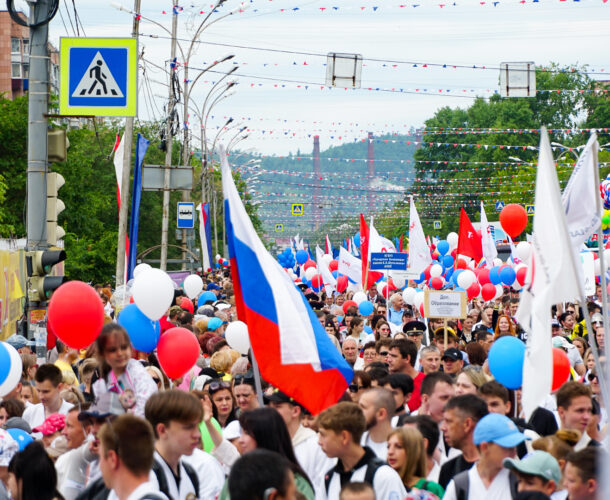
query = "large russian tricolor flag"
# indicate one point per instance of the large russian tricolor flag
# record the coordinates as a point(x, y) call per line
point(292, 349)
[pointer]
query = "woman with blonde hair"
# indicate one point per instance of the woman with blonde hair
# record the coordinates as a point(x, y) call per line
point(29, 367)
point(407, 456)
point(221, 362)
point(469, 380)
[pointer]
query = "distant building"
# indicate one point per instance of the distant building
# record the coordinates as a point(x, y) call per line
point(15, 58)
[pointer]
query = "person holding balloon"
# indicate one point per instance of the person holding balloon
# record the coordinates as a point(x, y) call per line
point(119, 373)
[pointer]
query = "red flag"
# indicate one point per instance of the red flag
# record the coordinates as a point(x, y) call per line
point(400, 244)
point(469, 241)
point(364, 250)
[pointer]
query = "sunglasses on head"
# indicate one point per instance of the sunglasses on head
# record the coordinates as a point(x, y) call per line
point(217, 386)
point(243, 379)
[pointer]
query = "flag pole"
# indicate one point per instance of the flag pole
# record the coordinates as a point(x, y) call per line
point(257, 379)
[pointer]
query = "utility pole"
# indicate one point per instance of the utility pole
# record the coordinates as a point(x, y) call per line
point(38, 103)
point(168, 141)
point(121, 271)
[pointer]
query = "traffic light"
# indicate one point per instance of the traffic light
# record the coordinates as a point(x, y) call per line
point(54, 207)
point(39, 264)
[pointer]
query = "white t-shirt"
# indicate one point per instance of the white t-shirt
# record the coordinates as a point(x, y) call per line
point(434, 473)
point(380, 449)
point(176, 492)
point(142, 491)
point(499, 489)
point(210, 473)
point(310, 456)
point(34, 415)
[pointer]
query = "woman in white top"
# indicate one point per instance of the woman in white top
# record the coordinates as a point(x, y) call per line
point(125, 378)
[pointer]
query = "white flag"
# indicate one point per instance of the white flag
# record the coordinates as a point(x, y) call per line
point(350, 266)
point(554, 280)
point(378, 243)
point(487, 241)
point(419, 253)
point(329, 280)
point(581, 198)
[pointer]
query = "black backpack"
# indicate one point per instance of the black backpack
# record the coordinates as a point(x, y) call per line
point(371, 469)
point(163, 486)
point(462, 485)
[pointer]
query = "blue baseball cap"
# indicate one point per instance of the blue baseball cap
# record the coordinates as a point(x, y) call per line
point(498, 429)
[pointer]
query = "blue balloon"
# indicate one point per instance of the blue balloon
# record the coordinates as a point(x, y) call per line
point(422, 277)
point(205, 297)
point(143, 332)
point(494, 275)
point(357, 240)
point(366, 307)
point(335, 274)
point(442, 247)
point(506, 361)
point(448, 260)
point(214, 323)
point(368, 329)
point(302, 257)
point(454, 276)
point(508, 275)
point(5, 363)
point(22, 437)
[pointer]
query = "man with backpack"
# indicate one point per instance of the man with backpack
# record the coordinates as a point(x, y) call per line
point(496, 437)
point(340, 430)
point(126, 458)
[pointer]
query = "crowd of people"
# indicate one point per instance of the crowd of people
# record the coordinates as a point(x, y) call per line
point(423, 417)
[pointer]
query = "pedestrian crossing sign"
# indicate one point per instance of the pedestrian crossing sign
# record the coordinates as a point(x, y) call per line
point(437, 224)
point(279, 228)
point(529, 209)
point(98, 76)
point(297, 209)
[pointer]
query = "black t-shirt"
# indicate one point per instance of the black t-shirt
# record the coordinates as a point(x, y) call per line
point(452, 467)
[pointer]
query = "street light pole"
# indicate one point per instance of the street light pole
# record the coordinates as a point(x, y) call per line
point(169, 140)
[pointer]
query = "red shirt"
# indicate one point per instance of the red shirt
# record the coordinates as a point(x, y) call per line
point(415, 400)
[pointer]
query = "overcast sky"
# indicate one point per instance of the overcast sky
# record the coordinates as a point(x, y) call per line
point(469, 32)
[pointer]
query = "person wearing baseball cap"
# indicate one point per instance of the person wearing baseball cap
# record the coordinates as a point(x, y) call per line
point(496, 437)
point(453, 361)
point(537, 471)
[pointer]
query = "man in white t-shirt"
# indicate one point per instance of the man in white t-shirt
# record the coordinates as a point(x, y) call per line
point(496, 437)
point(49, 383)
point(378, 406)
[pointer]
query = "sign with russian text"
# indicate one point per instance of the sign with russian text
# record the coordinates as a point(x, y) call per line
point(445, 304)
point(384, 261)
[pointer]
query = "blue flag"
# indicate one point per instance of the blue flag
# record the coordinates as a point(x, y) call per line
point(141, 147)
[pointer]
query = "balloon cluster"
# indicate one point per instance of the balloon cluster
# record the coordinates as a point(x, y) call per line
point(286, 258)
point(604, 189)
point(302, 256)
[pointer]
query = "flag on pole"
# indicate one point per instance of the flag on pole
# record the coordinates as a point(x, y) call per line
point(364, 250)
point(329, 246)
point(487, 242)
point(293, 351)
point(327, 277)
point(205, 236)
point(350, 266)
point(119, 152)
point(552, 278)
point(134, 221)
point(469, 242)
point(419, 252)
point(581, 198)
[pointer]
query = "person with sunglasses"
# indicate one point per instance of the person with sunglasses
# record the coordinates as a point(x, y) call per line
point(244, 392)
point(360, 383)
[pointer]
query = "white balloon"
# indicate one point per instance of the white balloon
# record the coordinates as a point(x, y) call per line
point(326, 258)
point(359, 297)
point(436, 270)
point(399, 281)
point(192, 285)
point(217, 258)
point(310, 272)
point(153, 292)
point(121, 296)
point(408, 295)
point(418, 300)
point(499, 291)
point(380, 286)
point(237, 337)
point(139, 268)
point(516, 286)
point(498, 261)
point(452, 239)
point(466, 278)
point(14, 373)
point(523, 250)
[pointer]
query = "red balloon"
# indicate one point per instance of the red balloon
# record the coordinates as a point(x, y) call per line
point(461, 264)
point(454, 253)
point(436, 283)
point(308, 264)
point(427, 272)
point(483, 276)
point(421, 311)
point(473, 291)
point(513, 219)
point(187, 305)
point(561, 368)
point(316, 281)
point(347, 304)
point(488, 292)
point(521, 274)
point(76, 313)
point(342, 283)
point(333, 265)
point(177, 351)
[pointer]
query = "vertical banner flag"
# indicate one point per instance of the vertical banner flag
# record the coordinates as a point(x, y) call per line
point(327, 277)
point(364, 250)
point(469, 242)
point(487, 242)
point(419, 252)
point(552, 278)
point(141, 148)
point(205, 235)
point(329, 246)
point(119, 152)
point(350, 266)
point(293, 351)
